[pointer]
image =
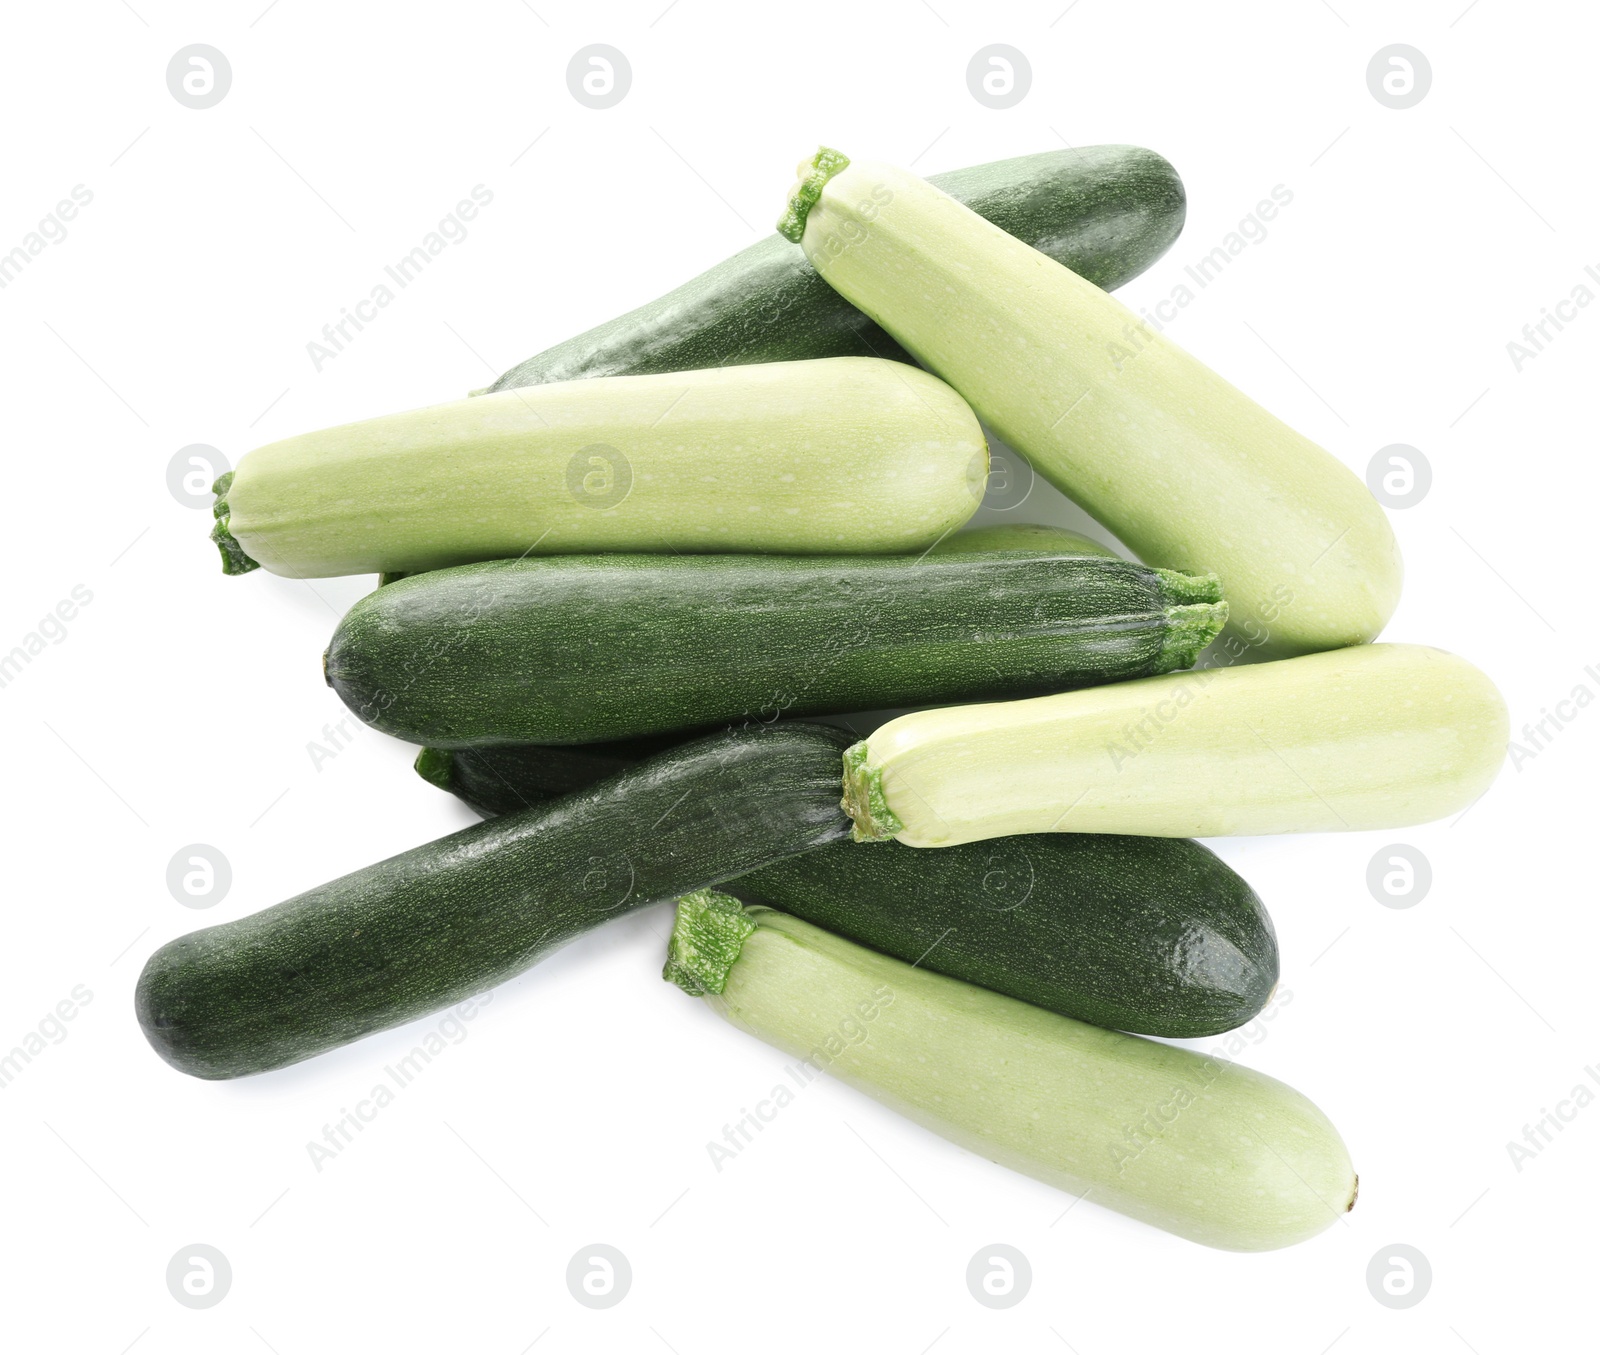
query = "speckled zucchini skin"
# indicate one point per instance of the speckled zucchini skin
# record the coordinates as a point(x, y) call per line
point(1152, 935)
point(584, 649)
point(434, 925)
point(1106, 212)
point(510, 777)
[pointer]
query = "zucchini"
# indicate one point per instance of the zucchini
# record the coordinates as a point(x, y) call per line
point(1206, 1149)
point(504, 779)
point(1155, 935)
point(1188, 472)
point(1107, 212)
point(434, 925)
point(1376, 736)
point(585, 649)
point(1012, 536)
point(838, 455)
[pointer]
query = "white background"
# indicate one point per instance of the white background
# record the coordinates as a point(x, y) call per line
point(180, 704)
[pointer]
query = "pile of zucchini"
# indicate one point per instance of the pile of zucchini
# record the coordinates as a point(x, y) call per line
point(618, 588)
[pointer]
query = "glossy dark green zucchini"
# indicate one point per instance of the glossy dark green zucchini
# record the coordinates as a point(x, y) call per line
point(509, 777)
point(586, 649)
point(1152, 935)
point(410, 935)
point(1106, 212)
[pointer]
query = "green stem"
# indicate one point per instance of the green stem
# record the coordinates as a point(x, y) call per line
point(821, 167)
point(235, 559)
point(707, 936)
point(864, 800)
point(1189, 631)
point(436, 766)
point(1196, 614)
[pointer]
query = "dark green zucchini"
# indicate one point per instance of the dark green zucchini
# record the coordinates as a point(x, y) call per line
point(585, 649)
point(1106, 212)
point(513, 776)
point(397, 940)
point(1152, 935)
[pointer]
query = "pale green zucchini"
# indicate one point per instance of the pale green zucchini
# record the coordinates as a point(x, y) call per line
point(1107, 212)
point(1375, 736)
point(1185, 469)
point(837, 456)
point(1033, 537)
point(1206, 1149)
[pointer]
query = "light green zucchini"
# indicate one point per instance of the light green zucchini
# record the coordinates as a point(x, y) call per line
point(1375, 736)
point(1020, 536)
point(1185, 469)
point(838, 456)
point(1107, 212)
point(1206, 1149)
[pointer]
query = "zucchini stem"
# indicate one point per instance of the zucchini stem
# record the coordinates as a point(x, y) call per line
point(707, 937)
point(1196, 614)
point(1190, 630)
point(814, 175)
point(871, 818)
point(434, 765)
point(235, 559)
